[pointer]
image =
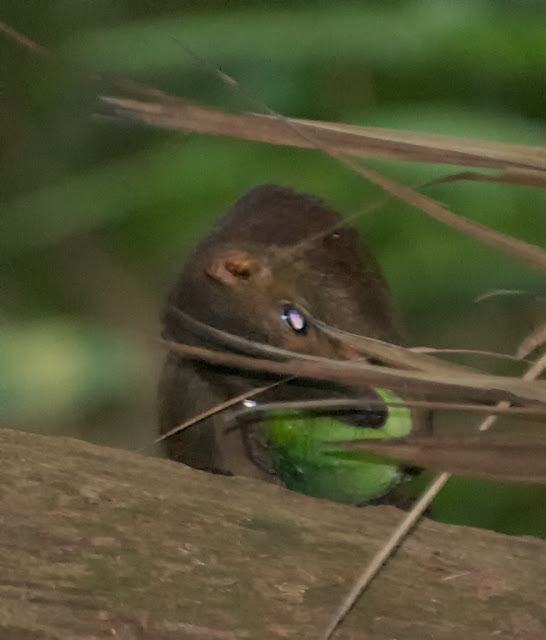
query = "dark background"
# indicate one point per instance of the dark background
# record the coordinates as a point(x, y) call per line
point(96, 218)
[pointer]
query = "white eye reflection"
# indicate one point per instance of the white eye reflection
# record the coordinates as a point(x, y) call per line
point(249, 403)
point(294, 318)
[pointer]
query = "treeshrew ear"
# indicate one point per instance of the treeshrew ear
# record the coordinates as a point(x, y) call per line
point(233, 266)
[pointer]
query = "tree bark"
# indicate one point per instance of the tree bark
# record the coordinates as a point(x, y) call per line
point(102, 543)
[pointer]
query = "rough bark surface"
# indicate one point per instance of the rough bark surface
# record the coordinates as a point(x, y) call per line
point(101, 543)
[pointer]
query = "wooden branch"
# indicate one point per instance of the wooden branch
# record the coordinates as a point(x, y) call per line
point(101, 543)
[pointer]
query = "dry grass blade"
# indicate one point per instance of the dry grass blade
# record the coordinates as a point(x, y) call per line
point(371, 348)
point(534, 371)
point(23, 41)
point(469, 352)
point(335, 404)
point(532, 254)
point(311, 135)
point(521, 164)
point(371, 142)
point(384, 553)
point(532, 342)
point(427, 375)
point(392, 354)
point(501, 458)
point(426, 147)
point(495, 293)
point(186, 116)
point(482, 388)
point(526, 178)
point(340, 141)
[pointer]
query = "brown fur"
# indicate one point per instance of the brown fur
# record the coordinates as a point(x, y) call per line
point(274, 247)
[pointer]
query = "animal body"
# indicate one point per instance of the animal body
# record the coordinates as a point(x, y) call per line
point(276, 261)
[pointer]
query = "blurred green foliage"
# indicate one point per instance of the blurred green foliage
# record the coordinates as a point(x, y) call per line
point(97, 217)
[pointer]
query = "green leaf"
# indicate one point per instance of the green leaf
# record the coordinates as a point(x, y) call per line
point(306, 462)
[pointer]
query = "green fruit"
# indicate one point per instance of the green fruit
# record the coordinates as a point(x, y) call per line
point(306, 461)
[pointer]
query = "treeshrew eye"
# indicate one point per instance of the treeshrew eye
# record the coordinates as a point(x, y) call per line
point(294, 319)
